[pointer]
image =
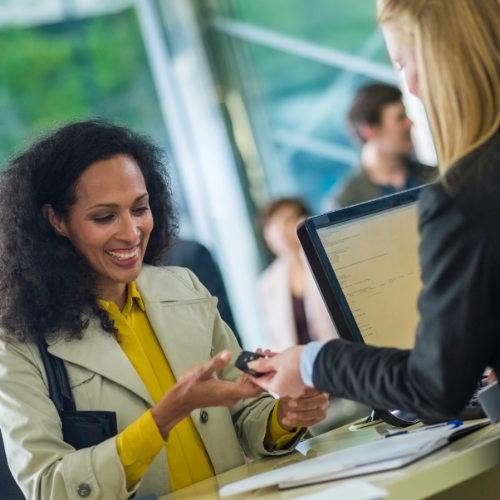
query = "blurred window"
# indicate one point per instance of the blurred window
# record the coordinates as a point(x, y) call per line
point(75, 69)
point(296, 65)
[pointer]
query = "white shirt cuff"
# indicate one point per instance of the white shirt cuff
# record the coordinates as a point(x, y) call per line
point(307, 359)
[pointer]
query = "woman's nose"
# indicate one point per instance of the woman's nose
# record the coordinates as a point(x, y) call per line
point(128, 230)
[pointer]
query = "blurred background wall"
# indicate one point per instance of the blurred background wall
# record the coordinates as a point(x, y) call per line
point(248, 98)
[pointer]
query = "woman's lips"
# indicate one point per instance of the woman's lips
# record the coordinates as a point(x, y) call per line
point(124, 258)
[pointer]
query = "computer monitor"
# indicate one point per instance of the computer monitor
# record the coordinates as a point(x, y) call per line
point(365, 262)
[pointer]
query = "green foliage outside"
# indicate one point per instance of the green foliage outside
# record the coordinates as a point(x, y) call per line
point(52, 74)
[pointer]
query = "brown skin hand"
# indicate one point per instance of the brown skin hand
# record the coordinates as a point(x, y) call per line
point(303, 411)
point(198, 387)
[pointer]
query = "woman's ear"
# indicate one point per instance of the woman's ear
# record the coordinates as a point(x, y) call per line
point(55, 220)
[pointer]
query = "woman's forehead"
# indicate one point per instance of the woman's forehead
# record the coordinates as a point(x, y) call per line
point(106, 181)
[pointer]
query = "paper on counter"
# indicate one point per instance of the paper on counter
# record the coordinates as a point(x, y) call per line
point(376, 456)
point(352, 490)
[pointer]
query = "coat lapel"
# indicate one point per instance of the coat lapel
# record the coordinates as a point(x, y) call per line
point(184, 330)
point(99, 352)
point(182, 317)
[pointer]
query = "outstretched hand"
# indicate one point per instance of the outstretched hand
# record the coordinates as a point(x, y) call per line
point(199, 387)
point(309, 408)
point(281, 373)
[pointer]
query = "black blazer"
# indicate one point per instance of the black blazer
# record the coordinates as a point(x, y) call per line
point(459, 332)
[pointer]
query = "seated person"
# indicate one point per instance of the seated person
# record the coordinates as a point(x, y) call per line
point(84, 213)
point(198, 259)
point(378, 118)
point(294, 312)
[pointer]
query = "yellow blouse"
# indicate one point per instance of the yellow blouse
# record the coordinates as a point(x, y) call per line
point(138, 444)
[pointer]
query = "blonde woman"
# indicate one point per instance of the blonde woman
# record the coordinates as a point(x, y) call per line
point(450, 52)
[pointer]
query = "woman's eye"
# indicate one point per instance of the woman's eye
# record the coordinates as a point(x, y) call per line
point(105, 219)
point(141, 210)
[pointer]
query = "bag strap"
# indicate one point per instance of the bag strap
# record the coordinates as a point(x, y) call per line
point(59, 388)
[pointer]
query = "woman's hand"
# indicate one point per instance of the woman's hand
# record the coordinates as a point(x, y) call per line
point(303, 411)
point(281, 373)
point(199, 387)
point(307, 410)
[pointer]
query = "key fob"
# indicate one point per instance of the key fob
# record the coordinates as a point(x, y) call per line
point(246, 357)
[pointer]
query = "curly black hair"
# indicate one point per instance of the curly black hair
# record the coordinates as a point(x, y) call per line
point(46, 286)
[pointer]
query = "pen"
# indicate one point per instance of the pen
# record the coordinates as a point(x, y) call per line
point(455, 423)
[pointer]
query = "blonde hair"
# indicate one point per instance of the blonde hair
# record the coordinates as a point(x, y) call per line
point(457, 45)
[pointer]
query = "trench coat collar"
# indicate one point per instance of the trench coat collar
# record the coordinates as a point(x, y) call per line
point(181, 315)
point(182, 319)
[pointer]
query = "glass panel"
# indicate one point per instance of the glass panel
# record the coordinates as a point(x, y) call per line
point(93, 67)
point(340, 25)
point(297, 66)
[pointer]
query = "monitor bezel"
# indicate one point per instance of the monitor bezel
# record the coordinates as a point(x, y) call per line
point(322, 270)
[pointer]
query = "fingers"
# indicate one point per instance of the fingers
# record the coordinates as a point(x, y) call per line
point(306, 418)
point(229, 393)
point(218, 362)
point(307, 411)
point(311, 391)
point(265, 381)
point(302, 423)
point(309, 403)
point(304, 409)
point(268, 353)
point(262, 365)
point(244, 379)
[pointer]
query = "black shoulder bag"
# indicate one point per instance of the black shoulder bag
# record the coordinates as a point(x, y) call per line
point(81, 429)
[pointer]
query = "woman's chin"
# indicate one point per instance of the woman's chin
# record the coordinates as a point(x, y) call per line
point(124, 273)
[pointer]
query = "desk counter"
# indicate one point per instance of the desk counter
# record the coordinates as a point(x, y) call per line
point(468, 468)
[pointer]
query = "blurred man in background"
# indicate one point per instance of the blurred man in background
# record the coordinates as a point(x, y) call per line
point(378, 118)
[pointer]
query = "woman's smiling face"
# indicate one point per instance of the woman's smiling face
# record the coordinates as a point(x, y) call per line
point(111, 221)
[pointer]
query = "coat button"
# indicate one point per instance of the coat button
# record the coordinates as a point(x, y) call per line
point(204, 417)
point(84, 490)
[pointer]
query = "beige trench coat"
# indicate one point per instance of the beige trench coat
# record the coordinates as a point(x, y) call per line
point(185, 319)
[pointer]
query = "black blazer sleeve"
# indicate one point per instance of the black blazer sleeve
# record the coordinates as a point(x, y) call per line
point(458, 333)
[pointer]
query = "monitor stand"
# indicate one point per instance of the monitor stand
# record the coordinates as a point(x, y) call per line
point(363, 423)
point(373, 418)
point(397, 418)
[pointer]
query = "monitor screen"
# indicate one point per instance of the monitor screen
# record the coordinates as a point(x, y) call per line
point(375, 259)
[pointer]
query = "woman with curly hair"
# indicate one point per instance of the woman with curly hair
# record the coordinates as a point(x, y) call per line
point(86, 212)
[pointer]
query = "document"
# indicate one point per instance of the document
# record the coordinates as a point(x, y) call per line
point(352, 490)
point(377, 456)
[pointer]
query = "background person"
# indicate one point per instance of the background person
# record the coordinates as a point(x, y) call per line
point(459, 332)
point(378, 119)
point(84, 211)
point(294, 312)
